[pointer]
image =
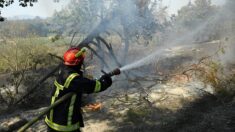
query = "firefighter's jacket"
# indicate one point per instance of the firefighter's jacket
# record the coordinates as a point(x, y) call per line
point(67, 116)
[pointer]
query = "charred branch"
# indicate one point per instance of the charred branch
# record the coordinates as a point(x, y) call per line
point(99, 29)
point(96, 54)
point(71, 42)
point(55, 56)
point(110, 49)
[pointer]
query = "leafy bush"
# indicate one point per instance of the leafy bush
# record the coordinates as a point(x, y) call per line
point(23, 61)
point(225, 87)
point(22, 54)
point(211, 72)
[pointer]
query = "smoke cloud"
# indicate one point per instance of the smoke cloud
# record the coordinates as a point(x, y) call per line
point(223, 19)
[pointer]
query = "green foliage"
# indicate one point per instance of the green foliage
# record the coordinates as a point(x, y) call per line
point(211, 72)
point(207, 21)
point(20, 61)
point(201, 17)
point(225, 87)
point(24, 28)
point(195, 14)
point(21, 54)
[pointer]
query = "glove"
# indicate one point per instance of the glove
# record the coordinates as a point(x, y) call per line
point(106, 81)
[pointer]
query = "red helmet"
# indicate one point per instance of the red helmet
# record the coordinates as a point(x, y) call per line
point(74, 56)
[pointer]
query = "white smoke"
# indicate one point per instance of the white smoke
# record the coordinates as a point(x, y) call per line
point(224, 14)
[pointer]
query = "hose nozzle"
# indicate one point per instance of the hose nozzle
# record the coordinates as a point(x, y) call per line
point(114, 72)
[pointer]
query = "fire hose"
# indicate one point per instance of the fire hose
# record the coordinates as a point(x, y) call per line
point(59, 101)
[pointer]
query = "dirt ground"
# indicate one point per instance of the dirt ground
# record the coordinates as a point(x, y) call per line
point(173, 108)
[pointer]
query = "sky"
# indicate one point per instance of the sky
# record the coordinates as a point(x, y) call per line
point(43, 8)
point(46, 8)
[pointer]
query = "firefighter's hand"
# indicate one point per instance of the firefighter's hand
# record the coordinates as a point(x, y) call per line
point(106, 80)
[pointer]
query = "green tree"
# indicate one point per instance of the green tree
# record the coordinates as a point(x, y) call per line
point(194, 14)
point(198, 16)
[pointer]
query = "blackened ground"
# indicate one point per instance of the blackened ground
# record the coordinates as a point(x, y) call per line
point(207, 114)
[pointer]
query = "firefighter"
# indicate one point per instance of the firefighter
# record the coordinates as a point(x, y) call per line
point(67, 116)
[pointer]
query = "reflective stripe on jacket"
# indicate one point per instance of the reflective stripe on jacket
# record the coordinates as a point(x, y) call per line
point(69, 126)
